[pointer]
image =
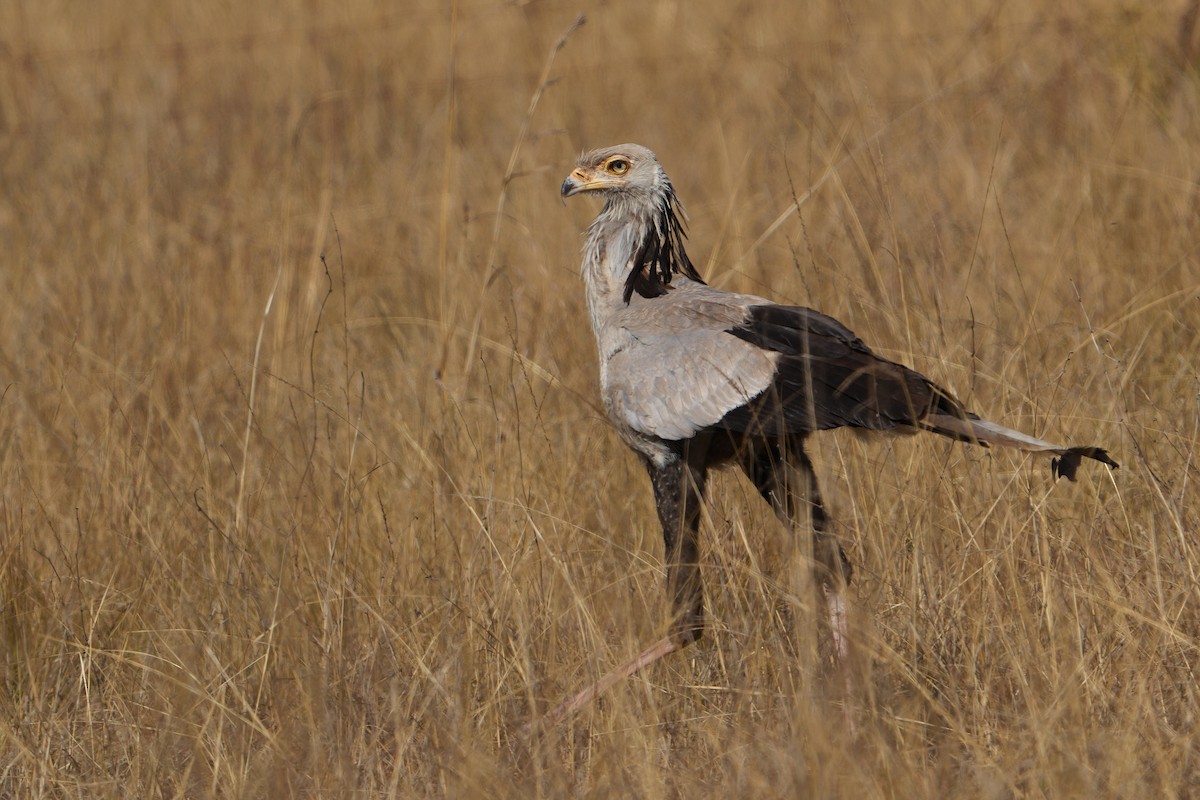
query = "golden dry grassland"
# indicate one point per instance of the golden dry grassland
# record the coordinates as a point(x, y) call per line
point(307, 491)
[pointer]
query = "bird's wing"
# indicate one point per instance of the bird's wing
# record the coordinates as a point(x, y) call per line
point(698, 357)
point(827, 378)
point(673, 387)
point(671, 368)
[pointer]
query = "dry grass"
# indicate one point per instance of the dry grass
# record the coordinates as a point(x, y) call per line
point(306, 489)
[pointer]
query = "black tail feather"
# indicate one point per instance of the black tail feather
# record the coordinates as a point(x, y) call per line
point(1066, 464)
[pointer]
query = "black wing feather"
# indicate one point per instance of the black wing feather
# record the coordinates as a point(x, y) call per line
point(827, 378)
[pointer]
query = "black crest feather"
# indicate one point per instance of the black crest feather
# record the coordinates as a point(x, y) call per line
point(661, 254)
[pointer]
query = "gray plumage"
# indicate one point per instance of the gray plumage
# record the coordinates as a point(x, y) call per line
point(693, 377)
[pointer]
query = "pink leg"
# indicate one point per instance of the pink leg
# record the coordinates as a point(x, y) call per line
point(572, 704)
point(839, 626)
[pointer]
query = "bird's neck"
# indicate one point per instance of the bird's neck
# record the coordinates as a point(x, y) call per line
point(612, 242)
point(607, 258)
point(635, 246)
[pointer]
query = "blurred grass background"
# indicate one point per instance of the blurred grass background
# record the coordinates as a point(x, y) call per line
point(306, 487)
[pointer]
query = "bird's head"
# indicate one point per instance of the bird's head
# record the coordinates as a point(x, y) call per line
point(627, 169)
point(637, 193)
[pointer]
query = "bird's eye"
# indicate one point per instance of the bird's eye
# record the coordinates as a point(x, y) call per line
point(618, 166)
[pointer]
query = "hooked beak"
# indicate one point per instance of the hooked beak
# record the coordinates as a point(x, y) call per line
point(569, 187)
point(581, 180)
point(576, 182)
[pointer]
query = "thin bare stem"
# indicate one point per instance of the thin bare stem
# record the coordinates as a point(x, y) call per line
point(239, 506)
point(509, 172)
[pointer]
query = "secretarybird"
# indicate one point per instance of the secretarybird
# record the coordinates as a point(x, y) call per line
point(694, 378)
